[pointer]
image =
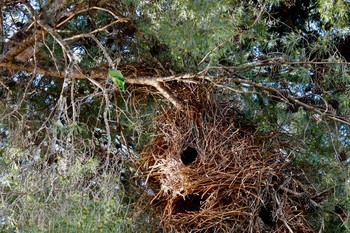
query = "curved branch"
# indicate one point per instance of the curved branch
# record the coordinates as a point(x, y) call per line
point(156, 82)
point(88, 9)
point(96, 30)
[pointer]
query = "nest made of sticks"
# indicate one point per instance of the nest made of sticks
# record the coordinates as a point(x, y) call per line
point(208, 175)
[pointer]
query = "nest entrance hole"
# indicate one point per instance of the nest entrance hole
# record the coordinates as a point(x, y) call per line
point(189, 155)
point(265, 214)
point(191, 202)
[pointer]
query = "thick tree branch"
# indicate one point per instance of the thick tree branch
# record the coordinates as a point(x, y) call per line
point(155, 82)
point(168, 94)
point(18, 43)
point(19, 48)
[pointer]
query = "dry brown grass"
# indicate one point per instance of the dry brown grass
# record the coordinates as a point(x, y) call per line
point(239, 181)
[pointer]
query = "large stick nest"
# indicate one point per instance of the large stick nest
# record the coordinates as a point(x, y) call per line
point(211, 176)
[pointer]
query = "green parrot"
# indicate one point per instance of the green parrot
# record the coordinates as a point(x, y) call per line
point(117, 78)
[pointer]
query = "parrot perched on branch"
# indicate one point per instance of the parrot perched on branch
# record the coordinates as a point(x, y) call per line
point(117, 78)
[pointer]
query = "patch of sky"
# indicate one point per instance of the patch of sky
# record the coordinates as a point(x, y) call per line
point(271, 44)
point(314, 26)
point(13, 21)
point(19, 75)
point(59, 148)
point(256, 52)
point(286, 129)
point(344, 135)
point(125, 49)
point(37, 79)
point(46, 86)
point(35, 4)
point(78, 53)
point(50, 100)
point(4, 135)
point(89, 99)
point(297, 89)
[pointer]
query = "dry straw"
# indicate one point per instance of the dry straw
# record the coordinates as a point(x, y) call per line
point(209, 175)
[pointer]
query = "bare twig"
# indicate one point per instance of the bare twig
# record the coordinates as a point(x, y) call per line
point(215, 48)
point(88, 9)
point(95, 31)
point(105, 53)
